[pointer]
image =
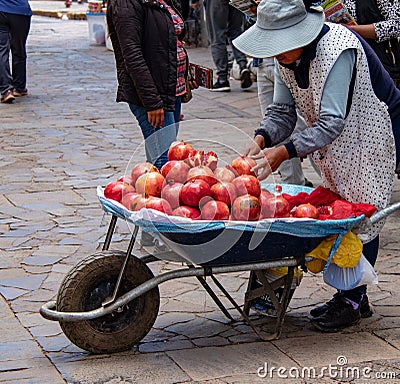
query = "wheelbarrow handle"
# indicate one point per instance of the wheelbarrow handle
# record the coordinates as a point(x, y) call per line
point(379, 215)
point(384, 212)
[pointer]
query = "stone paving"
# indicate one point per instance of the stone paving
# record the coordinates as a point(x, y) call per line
point(68, 136)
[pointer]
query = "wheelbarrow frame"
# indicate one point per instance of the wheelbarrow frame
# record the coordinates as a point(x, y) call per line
point(115, 303)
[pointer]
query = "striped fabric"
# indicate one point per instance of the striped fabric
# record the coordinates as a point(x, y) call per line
point(181, 53)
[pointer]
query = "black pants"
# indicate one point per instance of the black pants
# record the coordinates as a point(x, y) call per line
point(14, 30)
point(370, 251)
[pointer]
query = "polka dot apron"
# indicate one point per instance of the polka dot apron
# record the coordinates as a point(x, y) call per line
point(360, 163)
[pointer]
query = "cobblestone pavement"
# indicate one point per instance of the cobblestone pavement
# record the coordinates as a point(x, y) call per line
point(68, 136)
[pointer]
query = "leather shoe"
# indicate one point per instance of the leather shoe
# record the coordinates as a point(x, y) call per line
point(7, 97)
point(365, 308)
point(340, 314)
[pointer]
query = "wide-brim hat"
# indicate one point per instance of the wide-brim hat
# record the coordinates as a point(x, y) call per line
point(281, 26)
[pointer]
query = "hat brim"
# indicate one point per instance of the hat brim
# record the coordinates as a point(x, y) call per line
point(262, 43)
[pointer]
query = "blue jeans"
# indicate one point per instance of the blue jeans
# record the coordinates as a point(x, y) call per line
point(158, 140)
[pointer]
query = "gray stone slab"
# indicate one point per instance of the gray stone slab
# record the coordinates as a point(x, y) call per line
point(324, 349)
point(139, 368)
point(243, 359)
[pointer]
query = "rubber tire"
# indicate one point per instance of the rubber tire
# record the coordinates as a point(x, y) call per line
point(79, 285)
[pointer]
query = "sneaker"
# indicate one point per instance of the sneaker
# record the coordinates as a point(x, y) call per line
point(223, 86)
point(245, 78)
point(17, 93)
point(365, 308)
point(7, 97)
point(146, 240)
point(263, 305)
point(340, 314)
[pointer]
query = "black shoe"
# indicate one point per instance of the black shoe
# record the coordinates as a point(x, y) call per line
point(308, 183)
point(339, 315)
point(221, 86)
point(318, 311)
point(365, 309)
point(398, 171)
point(245, 78)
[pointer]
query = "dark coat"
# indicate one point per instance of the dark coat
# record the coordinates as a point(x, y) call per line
point(144, 41)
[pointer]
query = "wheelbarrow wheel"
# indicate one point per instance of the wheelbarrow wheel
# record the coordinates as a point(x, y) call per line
point(89, 284)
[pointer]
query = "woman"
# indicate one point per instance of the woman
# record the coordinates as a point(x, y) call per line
point(379, 24)
point(349, 103)
point(151, 67)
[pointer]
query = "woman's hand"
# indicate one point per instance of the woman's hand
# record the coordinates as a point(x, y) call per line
point(156, 117)
point(255, 146)
point(193, 84)
point(272, 158)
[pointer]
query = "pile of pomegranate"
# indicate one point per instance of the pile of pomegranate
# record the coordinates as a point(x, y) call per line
point(192, 185)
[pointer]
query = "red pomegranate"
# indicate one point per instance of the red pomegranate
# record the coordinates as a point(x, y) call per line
point(246, 208)
point(117, 189)
point(129, 199)
point(215, 210)
point(179, 150)
point(141, 168)
point(195, 158)
point(276, 205)
point(210, 160)
point(150, 183)
point(175, 170)
point(126, 179)
point(224, 174)
point(202, 172)
point(306, 210)
point(158, 204)
point(225, 192)
point(193, 191)
point(138, 203)
point(247, 184)
point(243, 165)
point(187, 211)
point(170, 192)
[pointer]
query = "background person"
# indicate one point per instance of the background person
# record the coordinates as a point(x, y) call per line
point(225, 23)
point(15, 22)
point(379, 24)
point(350, 104)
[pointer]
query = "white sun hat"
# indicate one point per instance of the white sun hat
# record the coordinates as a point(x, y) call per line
point(282, 25)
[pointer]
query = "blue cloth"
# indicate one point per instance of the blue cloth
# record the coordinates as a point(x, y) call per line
point(17, 7)
point(158, 141)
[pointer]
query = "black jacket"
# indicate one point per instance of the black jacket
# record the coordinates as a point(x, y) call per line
point(144, 42)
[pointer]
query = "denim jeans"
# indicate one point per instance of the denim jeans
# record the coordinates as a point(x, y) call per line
point(158, 140)
point(14, 30)
point(224, 21)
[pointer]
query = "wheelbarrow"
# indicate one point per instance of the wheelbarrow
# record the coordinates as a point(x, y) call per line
point(109, 301)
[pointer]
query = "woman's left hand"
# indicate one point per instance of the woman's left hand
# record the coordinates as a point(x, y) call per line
point(272, 158)
point(193, 84)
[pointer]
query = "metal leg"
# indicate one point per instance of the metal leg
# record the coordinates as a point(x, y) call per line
point(121, 272)
point(110, 232)
point(217, 301)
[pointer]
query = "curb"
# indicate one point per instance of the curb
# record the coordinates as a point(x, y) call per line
point(60, 14)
